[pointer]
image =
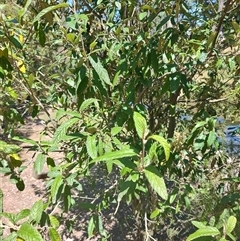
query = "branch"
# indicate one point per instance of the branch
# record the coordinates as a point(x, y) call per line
point(224, 12)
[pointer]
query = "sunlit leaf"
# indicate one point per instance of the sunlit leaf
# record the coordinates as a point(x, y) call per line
point(211, 138)
point(55, 186)
point(156, 181)
point(49, 9)
point(203, 232)
point(163, 142)
point(62, 129)
point(54, 235)
point(91, 146)
point(39, 163)
point(142, 15)
point(54, 221)
point(140, 125)
point(115, 155)
point(231, 223)
point(86, 103)
point(155, 213)
point(28, 232)
point(101, 71)
point(36, 211)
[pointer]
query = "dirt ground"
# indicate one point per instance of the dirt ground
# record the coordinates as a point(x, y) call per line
point(120, 226)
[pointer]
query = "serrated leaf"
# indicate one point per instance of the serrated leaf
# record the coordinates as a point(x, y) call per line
point(10, 216)
point(115, 155)
point(203, 232)
point(11, 237)
point(87, 103)
point(231, 223)
point(9, 148)
point(156, 181)
point(28, 232)
point(62, 129)
point(53, 221)
point(163, 142)
point(56, 184)
point(54, 235)
point(39, 163)
point(101, 71)
point(91, 146)
point(49, 9)
point(36, 211)
point(22, 214)
point(140, 125)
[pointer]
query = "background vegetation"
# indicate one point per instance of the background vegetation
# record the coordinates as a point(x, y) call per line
point(137, 87)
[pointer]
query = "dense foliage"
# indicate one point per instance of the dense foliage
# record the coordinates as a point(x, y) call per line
point(136, 88)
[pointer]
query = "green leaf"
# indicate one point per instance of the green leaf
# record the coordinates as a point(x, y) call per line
point(62, 129)
point(211, 138)
point(9, 148)
point(155, 213)
point(163, 142)
point(140, 125)
point(41, 36)
point(25, 140)
point(91, 227)
point(20, 184)
point(142, 15)
point(39, 163)
point(203, 232)
point(10, 216)
point(36, 211)
point(231, 223)
point(27, 4)
point(115, 155)
point(125, 188)
point(198, 125)
point(91, 146)
point(56, 184)
point(198, 224)
point(211, 38)
point(11, 237)
point(15, 42)
point(61, 113)
point(87, 103)
point(101, 71)
point(156, 181)
point(53, 221)
point(236, 26)
point(115, 130)
point(54, 235)
point(49, 9)
point(22, 214)
point(28, 232)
